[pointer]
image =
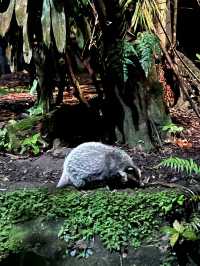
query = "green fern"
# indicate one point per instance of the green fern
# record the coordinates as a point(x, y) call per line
point(184, 165)
point(119, 59)
point(172, 128)
point(195, 223)
point(147, 45)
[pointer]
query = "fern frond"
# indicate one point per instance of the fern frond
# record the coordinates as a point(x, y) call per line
point(147, 45)
point(118, 59)
point(179, 164)
point(195, 223)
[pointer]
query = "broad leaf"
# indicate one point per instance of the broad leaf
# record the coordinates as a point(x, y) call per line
point(173, 239)
point(189, 234)
point(20, 11)
point(178, 226)
point(27, 52)
point(168, 230)
point(46, 22)
point(5, 18)
point(58, 22)
point(33, 89)
point(198, 56)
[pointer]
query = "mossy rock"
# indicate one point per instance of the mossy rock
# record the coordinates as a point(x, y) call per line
point(51, 224)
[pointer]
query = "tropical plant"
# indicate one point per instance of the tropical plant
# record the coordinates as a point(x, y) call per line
point(179, 164)
point(148, 47)
point(62, 37)
point(32, 144)
point(144, 14)
point(171, 128)
point(3, 138)
point(180, 232)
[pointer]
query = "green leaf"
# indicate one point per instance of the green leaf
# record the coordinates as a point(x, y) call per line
point(118, 60)
point(36, 149)
point(167, 208)
point(3, 92)
point(168, 230)
point(173, 239)
point(58, 22)
point(181, 200)
point(147, 44)
point(33, 89)
point(20, 11)
point(172, 128)
point(35, 138)
point(178, 164)
point(189, 234)
point(5, 18)
point(36, 110)
point(27, 51)
point(178, 227)
point(46, 22)
point(198, 56)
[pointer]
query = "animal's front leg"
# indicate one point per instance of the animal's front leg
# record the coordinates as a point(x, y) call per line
point(124, 176)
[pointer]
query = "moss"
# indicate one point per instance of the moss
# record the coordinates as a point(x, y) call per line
point(119, 218)
point(26, 123)
point(14, 89)
point(3, 92)
point(18, 131)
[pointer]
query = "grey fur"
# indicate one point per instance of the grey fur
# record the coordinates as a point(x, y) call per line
point(94, 161)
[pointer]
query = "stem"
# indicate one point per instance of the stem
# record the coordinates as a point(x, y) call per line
point(175, 22)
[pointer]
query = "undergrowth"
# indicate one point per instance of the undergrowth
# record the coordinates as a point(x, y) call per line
point(179, 164)
point(22, 137)
point(119, 218)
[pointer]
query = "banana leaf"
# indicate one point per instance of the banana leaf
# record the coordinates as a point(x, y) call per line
point(5, 18)
point(20, 11)
point(46, 22)
point(58, 22)
point(27, 52)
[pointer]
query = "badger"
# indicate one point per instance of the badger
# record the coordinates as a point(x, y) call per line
point(94, 162)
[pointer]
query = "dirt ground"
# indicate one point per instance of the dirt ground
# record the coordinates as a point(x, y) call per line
point(45, 170)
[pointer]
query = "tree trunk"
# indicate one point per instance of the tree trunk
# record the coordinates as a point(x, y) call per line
point(134, 109)
point(44, 73)
point(136, 117)
point(163, 22)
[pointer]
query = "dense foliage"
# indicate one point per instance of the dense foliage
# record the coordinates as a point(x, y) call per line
point(59, 40)
point(120, 219)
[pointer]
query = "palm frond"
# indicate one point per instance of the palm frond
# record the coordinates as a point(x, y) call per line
point(144, 14)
